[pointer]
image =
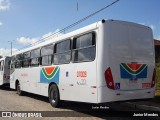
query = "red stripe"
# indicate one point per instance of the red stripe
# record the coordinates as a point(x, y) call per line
point(49, 70)
point(134, 66)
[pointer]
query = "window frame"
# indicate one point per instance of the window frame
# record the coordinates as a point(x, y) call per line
point(55, 50)
point(29, 55)
point(52, 55)
point(91, 46)
point(26, 59)
point(2, 65)
point(19, 61)
point(46, 46)
point(37, 57)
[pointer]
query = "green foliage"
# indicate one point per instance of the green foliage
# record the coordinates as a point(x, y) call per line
point(157, 75)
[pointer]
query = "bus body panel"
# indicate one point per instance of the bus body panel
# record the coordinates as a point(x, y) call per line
point(77, 81)
point(128, 53)
point(106, 95)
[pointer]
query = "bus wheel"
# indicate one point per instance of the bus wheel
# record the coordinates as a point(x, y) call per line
point(54, 97)
point(19, 91)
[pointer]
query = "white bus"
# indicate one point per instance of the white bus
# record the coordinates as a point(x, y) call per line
point(107, 61)
point(4, 70)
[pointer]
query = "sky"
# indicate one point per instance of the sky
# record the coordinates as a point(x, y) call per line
point(24, 22)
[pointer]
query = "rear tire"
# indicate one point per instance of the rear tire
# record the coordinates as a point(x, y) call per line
point(19, 91)
point(54, 97)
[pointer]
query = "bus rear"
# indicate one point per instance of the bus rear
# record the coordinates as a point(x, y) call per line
point(4, 70)
point(127, 62)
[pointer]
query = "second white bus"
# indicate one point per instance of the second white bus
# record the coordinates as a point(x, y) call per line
point(4, 70)
point(107, 61)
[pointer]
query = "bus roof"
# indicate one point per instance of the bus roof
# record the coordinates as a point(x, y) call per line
point(59, 38)
point(83, 30)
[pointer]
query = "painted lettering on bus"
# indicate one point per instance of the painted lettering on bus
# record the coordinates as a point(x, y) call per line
point(24, 74)
point(82, 74)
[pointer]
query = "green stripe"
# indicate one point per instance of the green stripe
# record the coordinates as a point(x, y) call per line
point(51, 75)
point(133, 71)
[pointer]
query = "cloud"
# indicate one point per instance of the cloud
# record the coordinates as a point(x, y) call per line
point(51, 35)
point(46, 37)
point(4, 5)
point(1, 23)
point(24, 40)
point(152, 26)
point(6, 52)
point(158, 37)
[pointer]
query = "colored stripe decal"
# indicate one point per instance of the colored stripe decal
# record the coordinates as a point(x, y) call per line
point(50, 76)
point(134, 72)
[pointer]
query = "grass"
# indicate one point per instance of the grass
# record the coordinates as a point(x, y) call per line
point(157, 79)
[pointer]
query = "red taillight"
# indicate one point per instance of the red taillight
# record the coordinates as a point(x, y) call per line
point(153, 78)
point(118, 94)
point(109, 78)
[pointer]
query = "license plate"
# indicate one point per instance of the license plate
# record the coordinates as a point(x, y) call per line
point(133, 81)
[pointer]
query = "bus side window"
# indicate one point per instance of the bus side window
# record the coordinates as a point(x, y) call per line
point(47, 55)
point(18, 64)
point(35, 57)
point(12, 65)
point(12, 62)
point(62, 52)
point(2, 65)
point(18, 61)
point(26, 61)
point(84, 48)
point(9, 63)
point(35, 62)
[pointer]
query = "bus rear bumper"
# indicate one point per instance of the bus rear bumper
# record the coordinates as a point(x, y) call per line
point(108, 95)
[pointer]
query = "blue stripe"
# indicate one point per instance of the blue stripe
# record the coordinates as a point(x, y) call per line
point(126, 75)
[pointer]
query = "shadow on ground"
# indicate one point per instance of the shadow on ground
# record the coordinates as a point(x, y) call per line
point(6, 87)
point(78, 109)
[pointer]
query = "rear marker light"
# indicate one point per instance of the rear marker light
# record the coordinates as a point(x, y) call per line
point(118, 94)
point(93, 87)
point(110, 83)
point(153, 78)
point(109, 79)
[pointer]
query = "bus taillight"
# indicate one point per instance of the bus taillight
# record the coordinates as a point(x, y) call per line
point(109, 78)
point(153, 78)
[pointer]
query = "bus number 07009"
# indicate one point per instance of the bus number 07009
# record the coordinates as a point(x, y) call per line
point(82, 74)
